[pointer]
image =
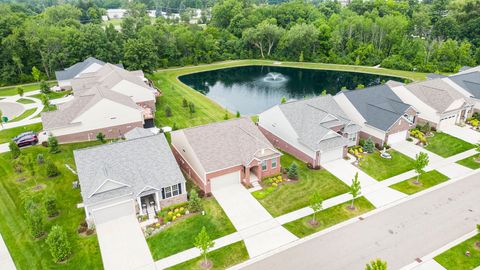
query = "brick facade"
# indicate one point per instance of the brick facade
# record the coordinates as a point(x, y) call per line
point(174, 200)
point(114, 132)
point(150, 104)
point(185, 167)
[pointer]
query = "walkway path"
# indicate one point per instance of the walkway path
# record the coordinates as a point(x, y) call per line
point(6, 262)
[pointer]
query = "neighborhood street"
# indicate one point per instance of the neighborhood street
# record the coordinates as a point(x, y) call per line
point(397, 235)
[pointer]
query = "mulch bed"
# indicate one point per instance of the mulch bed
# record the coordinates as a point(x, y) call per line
point(38, 187)
point(21, 179)
point(205, 264)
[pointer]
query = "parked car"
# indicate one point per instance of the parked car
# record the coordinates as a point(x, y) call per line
point(19, 136)
point(27, 140)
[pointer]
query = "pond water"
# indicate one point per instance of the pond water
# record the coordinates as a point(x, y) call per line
point(253, 89)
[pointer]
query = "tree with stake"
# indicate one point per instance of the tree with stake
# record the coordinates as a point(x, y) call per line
point(376, 265)
point(316, 203)
point(421, 161)
point(355, 190)
point(204, 243)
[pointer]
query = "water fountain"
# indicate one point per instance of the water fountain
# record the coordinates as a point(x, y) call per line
point(274, 77)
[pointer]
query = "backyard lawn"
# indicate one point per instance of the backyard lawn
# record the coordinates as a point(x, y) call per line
point(221, 258)
point(180, 235)
point(382, 168)
point(12, 90)
point(7, 134)
point(329, 217)
point(455, 258)
point(446, 145)
point(427, 180)
point(470, 162)
point(24, 115)
point(289, 197)
point(26, 252)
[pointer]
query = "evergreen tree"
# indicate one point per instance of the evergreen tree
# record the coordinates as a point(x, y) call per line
point(53, 145)
point(369, 145)
point(59, 244)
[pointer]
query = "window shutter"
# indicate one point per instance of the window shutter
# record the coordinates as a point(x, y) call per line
point(179, 188)
point(163, 193)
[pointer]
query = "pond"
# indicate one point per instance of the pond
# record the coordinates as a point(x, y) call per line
point(253, 89)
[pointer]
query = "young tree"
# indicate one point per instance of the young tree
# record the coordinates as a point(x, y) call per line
point(20, 91)
point(284, 100)
point(14, 150)
point(194, 202)
point(191, 107)
point(376, 265)
point(51, 169)
point(53, 145)
point(324, 92)
point(238, 114)
point(101, 137)
point(36, 73)
point(30, 166)
point(355, 190)
point(50, 204)
point(293, 171)
point(35, 217)
point(184, 103)
point(168, 111)
point(421, 161)
point(369, 145)
point(40, 159)
point(204, 244)
point(58, 243)
point(426, 128)
point(226, 116)
point(44, 88)
point(316, 203)
point(45, 101)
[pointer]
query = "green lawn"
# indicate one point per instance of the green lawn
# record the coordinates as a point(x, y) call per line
point(427, 180)
point(470, 162)
point(329, 217)
point(382, 168)
point(289, 197)
point(7, 134)
point(180, 235)
point(221, 258)
point(26, 252)
point(24, 115)
point(446, 145)
point(53, 95)
point(12, 90)
point(25, 101)
point(455, 258)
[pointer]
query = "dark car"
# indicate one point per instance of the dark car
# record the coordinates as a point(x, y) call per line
point(27, 140)
point(27, 133)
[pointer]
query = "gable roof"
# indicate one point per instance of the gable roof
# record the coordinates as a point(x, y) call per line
point(378, 105)
point(436, 93)
point(128, 168)
point(138, 133)
point(468, 81)
point(312, 120)
point(72, 71)
point(226, 144)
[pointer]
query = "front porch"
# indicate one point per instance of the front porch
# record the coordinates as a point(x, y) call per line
point(148, 205)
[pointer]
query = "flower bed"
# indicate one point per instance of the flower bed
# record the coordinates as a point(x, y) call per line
point(356, 151)
point(416, 133)
point(166, 216)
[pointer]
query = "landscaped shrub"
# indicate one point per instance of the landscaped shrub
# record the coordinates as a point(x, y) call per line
point(18, 165)
point(59, 244)
point(356, 150)
point(50, 203)
point(53, 145)
point(40, 159)
point(14, 150)
point(293, 171)
point(195, 203)
point(369, 145)
point(51, 169)
point(168, 111)
point(191, 107)
point(184, 103)
point(416, 133)
point(101, 137)
point(35, 217)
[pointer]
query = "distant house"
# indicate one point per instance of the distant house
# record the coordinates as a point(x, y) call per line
point(116, 13)
point(221, 154)
point(437, 102)
point(467, 84)
point(65, 77)
point(383, 116)
point(137, 176)
point(314, 130)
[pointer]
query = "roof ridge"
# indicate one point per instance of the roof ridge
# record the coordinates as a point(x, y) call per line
point(369, 104)
point(115, 142)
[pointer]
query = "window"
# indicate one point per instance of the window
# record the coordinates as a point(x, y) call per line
point(274, 162)
point(352, 137)
point(264, 165)
point(175, 190)
point(410, 118)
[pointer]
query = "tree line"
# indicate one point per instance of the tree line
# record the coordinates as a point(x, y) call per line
point(427, 36)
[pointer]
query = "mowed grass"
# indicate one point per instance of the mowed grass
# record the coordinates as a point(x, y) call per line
point(329, 217)
point(455, 258)
point(25, 101)
point(221, 258)
point(470, 162)
point(6, 135)
point(382, 168)
point(289, 197)
point(24, 115)
point(26, 252)
point(181, 234)
point(446, 145)
point(12, 90)
point(53, 95)
point(427, 180)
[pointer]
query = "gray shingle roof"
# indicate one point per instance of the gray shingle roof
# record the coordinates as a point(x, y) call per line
point(469, 81)
point(71, 72)
point(436, 93)
point(378, 105)
point(138, 133)
point(312, 119)
point(137, 165)
point(225, 144)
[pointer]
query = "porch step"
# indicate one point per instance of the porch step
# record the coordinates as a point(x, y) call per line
point(255, 186)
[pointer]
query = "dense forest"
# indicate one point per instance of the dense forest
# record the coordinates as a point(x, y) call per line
point(428, 36)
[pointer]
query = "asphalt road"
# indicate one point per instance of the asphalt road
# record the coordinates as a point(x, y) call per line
point(398, 235)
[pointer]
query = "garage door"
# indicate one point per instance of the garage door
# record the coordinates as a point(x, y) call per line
point(397, 137)
point(448, 121)
point(331, 155)
point(108, 213)
point(225, 180)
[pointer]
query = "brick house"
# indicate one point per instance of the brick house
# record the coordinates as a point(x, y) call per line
point(314, 130)
point(225, 153)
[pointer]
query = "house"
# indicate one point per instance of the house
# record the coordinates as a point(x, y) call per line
point(383, 116)
point(140, 175)
point(436, 101)
point(64, 77)
point(116, 13)
point(314, 130)
point(221, 154)
point(83, 117)
point(467, 84)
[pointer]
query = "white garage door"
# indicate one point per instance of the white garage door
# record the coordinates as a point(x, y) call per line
point(397, 137)
point(331, 155)
point(108, 213)
point(448, 121)
point(225, 180)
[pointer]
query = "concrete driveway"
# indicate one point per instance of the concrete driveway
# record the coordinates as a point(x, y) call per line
point(463, 133)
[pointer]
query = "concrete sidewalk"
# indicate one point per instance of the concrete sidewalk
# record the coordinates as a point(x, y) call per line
point(6, 262)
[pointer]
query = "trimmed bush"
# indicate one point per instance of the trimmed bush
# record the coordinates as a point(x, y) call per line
point(51, 169)
point(50, 203)
point(53, 145)
point(195, 203)
point(34, 215)
point(59, 244)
